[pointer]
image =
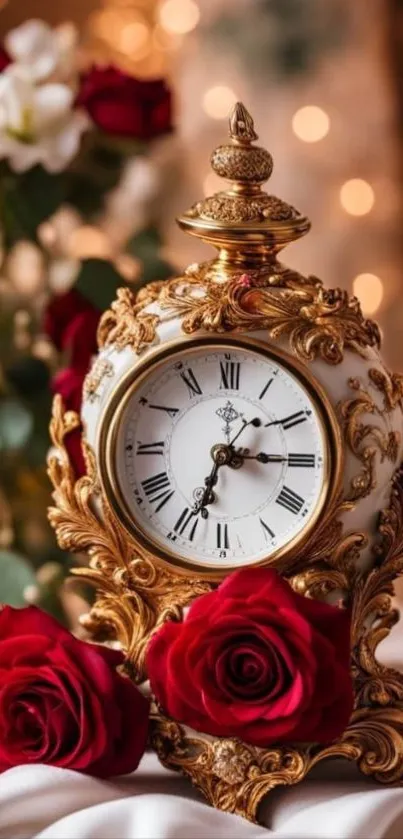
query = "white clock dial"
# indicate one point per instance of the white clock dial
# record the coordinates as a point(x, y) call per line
point(220, 455)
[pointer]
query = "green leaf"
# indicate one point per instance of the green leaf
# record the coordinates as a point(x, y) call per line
point(156, 269)
point(27, 200)
point(16, 425)
point(15, 575)
point(98, 281)
point(145, 244)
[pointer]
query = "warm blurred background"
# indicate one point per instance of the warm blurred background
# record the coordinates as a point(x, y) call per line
point(324, 81)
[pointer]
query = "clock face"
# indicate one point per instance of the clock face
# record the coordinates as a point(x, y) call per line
point(218, 455)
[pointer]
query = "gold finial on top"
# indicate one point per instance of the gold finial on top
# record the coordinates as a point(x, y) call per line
point(239, 161)
point(243, 212)
point(241, 125)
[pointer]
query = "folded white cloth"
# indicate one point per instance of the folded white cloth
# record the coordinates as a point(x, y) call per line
point(49, 803)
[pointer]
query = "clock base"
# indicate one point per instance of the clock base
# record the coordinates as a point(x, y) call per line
point(236, 777)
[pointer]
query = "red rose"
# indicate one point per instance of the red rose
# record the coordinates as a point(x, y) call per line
point(69, 384)
point(62, 701)
point(5, 59)
point(60, 316)
point(257, 661)
point(71, 323)
point(120, 104)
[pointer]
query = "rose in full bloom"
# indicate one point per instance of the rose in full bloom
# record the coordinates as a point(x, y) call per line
point(122, 105)
point(257, 661)
point(62, 701)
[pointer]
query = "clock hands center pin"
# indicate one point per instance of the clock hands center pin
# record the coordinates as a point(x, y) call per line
point(223, 454)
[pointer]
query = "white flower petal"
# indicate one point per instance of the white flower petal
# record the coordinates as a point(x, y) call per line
point(33, 45)
point(58, 150)
point(52, 106)
point(16, 93)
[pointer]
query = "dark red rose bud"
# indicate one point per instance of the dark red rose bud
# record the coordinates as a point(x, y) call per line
point(124, 106)
point(5, 59)
point(62, 701)
point(257, 661)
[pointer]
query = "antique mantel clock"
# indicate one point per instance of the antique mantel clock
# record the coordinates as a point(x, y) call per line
point(237, 415)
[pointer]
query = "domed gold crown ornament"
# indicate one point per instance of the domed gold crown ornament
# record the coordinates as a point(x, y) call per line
point(181, 364)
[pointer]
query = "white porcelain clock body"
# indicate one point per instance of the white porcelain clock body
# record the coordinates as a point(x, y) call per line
point(216, 453)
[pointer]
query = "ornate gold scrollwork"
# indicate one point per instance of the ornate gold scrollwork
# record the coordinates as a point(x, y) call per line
point(125, 325)
point(134, 595)
point(366, 440)
point(318, 323)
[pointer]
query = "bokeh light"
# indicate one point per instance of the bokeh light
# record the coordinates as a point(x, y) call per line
point(310, 124)
point(134, 39)
point(369, 290)
point(218, 101)
point(179, 16)
point(89, 241)
point(357, 197)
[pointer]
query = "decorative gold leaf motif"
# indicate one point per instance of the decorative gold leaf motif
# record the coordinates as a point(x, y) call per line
point(100, 370)
point(318, 323)
point(367, 440)
point(124, 324)
point(135, 596)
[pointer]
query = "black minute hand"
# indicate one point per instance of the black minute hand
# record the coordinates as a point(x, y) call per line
point(262, 457)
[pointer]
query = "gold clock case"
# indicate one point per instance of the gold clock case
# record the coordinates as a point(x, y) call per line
point(245, 289)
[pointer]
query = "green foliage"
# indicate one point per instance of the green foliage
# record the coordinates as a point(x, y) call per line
point(99, 281)
point(16, 425)
point(27, 199)
point(15, 575)
point(145, 246)
point(281, 39)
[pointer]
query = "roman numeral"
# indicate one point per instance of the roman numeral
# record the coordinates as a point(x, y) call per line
point(222, 536)
point(267, 529)
point(230, 374)
point(151, 448)
point(192, 384)
point(158, 489)
point(171, 411)
point(290, 421)
point(185, 518)
point(290, 500)
point(303, 460)
point(266, 387)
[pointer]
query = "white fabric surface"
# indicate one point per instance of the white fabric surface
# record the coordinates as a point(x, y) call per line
point(49, 803)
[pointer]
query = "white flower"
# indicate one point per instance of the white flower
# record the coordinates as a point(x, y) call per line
point(43, 51)
point(37, 124)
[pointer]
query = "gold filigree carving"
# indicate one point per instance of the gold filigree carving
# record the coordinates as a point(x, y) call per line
point(125, 325)
point(373, 739)
point(101, 369)
point(224, 207)
point(134, 595)
point(367, 440)
point(390, 386)
point(318, 323)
